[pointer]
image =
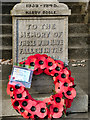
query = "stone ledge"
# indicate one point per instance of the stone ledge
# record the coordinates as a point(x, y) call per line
point(80, 103)
point(39, 1)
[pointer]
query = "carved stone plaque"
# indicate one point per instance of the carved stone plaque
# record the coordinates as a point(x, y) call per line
point(44, 36)
point(40, 27)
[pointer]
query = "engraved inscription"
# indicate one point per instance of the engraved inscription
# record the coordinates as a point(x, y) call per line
point(33, 9)
point(41, 12)
point(41, 5)
point(40, 36)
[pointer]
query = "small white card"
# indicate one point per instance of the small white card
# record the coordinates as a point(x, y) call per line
point(23, 75)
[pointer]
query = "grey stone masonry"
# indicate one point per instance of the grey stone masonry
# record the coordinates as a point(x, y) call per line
point(77, 43)
point(40, 27)
point(39, 1)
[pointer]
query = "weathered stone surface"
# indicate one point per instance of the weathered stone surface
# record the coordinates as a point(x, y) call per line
point(77, 18)
point(80, 103)
point(0, 93)
point(39, 1)
point(6, 71)
point(75, 116)
point(79, 53)
point(6, 29)
point(73, 28)
point(48, 35)
point(7, 54)
point(24, 26)
point(6, 19)
point(78, 28)
point(80, 42)
point(40, 9)
point(6, 40)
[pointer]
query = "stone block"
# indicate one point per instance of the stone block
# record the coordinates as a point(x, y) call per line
point(80, 103)
point(6, 54)
point(6, 19)
point(6, 29)
point(77, 18)
point(6, 40)
point(78, 28)
point(40, 34)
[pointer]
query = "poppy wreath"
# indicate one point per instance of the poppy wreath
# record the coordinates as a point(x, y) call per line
point(56, 105)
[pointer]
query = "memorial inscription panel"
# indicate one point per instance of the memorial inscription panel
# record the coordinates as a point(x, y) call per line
point(44, 36)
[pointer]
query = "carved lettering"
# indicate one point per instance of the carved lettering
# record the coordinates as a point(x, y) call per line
point(41, 5)
point(48, 26)
point(55, 42)
point(58, 34)
point(31, 27)
point(33, 12)
point(34, 50)
point(27, 43)
point(34, 35)
point(43, 43)
point(42, 37)
point(49, 12)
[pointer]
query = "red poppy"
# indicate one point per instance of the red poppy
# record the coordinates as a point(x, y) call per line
point(67, 83)
point(10, 89)
point(41, 62)
point(56, 110)
point(20, 96)
point(55, 72)
point(16, 104)
point(58, 87)
point(70, 93)
point(64, 74)
point(60, 62)
point(17, 86)
point(21, 110)
point(57, 79)
point(31, 107)
point(64, 85)
point(28, 97)
point(32, 62)
point(50, 63)
point(47, 71)
point(38, 71)
point(58, 99)
point(41, 110)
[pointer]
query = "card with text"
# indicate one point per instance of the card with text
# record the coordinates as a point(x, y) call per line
point(23, 75)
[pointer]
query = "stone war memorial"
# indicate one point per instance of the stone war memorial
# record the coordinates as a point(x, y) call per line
point(41, 26)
